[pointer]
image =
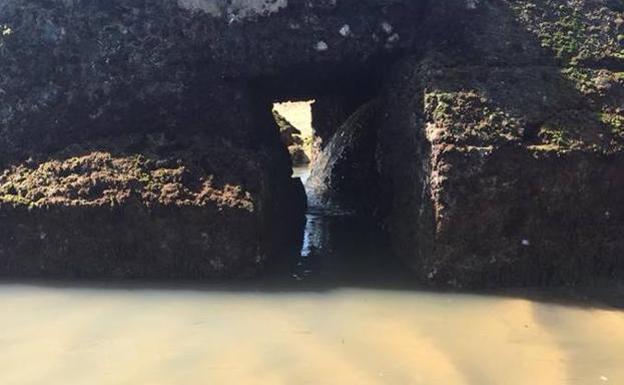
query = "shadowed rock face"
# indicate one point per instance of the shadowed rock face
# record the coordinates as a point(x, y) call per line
point(191, 206)
point(519, 148)
point(78, 69)
point(184, 85)
point(344, 173)
point(497, 153)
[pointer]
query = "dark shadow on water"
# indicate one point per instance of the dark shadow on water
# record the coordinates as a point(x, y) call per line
point(341, 251)
point(346, 253)
point(606, 295)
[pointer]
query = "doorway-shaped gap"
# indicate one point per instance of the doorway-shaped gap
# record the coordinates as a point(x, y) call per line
point(336, 109)
point(341, 240)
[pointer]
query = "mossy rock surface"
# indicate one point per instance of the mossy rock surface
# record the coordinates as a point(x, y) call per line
point(100, 178)
point(144, 206)
point(580, 32)
point(509, 141)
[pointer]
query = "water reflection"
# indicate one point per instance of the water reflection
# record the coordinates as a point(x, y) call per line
point(340, 246)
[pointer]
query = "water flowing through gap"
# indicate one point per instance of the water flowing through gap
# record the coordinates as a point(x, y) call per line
point(295, 122)
point(342, 243)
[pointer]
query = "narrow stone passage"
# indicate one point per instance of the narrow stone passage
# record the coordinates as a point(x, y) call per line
point(341, 242)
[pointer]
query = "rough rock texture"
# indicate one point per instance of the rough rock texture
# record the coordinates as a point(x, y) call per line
point(517, 125)
point(500, 139)
point(343, 175)
point(291, 138)
point(72, 70)
point(177, 209)
point(329, 113)
point(197, 78)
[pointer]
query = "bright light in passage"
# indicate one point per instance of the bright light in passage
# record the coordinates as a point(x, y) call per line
point(299, 114)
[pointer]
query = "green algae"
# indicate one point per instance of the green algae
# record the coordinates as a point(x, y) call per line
point(574, 31)
point(100, 178)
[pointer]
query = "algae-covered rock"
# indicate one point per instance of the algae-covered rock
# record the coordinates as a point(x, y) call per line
point(102, 210)
point(509, 146)
point(77, 74)
point(136, 138)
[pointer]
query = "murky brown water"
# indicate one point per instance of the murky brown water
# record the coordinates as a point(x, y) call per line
point(54, 335)
point(313, 329)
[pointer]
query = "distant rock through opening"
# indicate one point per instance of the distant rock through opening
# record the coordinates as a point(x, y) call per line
point(294, 119)
point(331, 140)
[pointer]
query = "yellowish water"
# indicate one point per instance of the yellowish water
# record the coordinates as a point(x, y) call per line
point(54, 335)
